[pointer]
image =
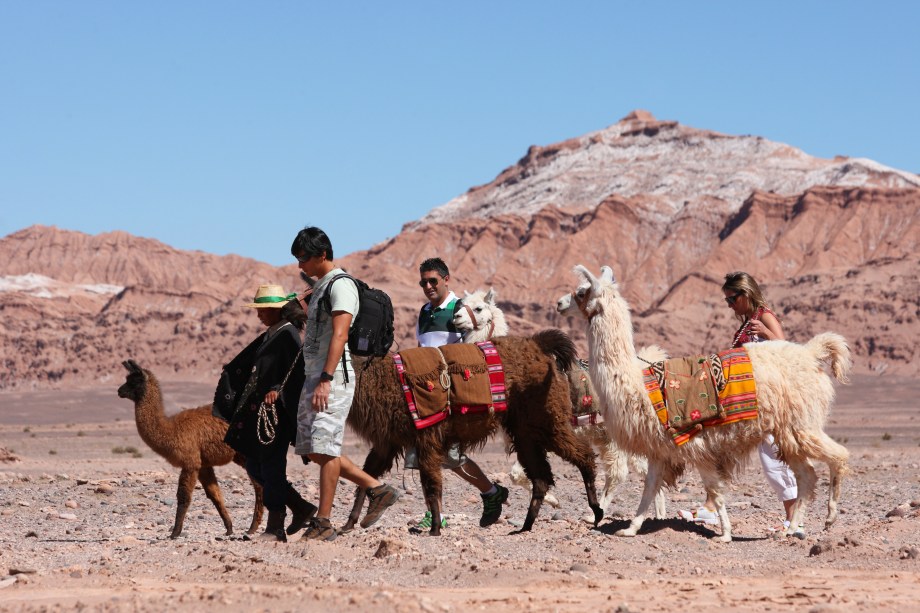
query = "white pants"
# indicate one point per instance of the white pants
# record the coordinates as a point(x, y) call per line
point(778, 474)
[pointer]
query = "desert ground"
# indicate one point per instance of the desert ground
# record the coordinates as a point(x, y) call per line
point(86, 508)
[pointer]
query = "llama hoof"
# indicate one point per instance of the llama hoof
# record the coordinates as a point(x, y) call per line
point(628, 532)
point(723, 538)
point(598, 515)
point(552, 501)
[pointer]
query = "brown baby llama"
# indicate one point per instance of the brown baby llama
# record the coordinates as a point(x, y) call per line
point(537, 421)
point(192, 440)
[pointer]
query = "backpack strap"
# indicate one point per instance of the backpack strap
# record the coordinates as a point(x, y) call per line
point(326, 300)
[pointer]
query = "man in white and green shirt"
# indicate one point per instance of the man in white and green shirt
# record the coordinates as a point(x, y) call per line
point(435, 327)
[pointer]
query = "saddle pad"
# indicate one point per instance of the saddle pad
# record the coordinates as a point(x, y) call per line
point(730, 374)
point(469, 379)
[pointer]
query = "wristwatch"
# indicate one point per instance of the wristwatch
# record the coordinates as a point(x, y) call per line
point(324, 376)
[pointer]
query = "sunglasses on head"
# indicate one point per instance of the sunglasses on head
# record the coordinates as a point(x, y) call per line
point(433, 281)
point(731, 299)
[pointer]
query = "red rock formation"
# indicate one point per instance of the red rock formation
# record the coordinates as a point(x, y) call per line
point(671, 208)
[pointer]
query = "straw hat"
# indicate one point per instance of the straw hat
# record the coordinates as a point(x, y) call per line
point(270, 297)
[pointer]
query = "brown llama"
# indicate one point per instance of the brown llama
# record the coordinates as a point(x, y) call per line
point(481, 318)
point(192, 440)
point(537, 422)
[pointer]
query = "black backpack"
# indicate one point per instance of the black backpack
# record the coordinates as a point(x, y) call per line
point(371, 332)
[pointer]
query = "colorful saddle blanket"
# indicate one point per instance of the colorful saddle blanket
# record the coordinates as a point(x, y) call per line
point(584, 409)
point(690, 394)
point(458, 378)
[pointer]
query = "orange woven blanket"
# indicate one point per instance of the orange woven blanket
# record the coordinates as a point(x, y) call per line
point(730, 374)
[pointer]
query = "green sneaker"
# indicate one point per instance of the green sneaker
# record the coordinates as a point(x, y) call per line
point(424, 524)
point(492, 506)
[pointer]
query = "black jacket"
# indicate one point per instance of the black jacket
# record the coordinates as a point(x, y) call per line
point(258, 369)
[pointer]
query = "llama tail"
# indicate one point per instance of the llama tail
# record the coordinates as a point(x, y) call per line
point(557, 343)
point(832, 349)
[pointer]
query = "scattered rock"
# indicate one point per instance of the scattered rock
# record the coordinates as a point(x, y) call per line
point(22, 571)
point(909, 553)
point(388, 547)
point(7, 581)
point(819, 548)
point(72, 504)
point(578, 567)
point(899, 511)
point(106, 489)
point(67, 516)
point(557, 516)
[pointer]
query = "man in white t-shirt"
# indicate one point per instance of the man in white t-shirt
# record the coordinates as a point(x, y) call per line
point(320, 421)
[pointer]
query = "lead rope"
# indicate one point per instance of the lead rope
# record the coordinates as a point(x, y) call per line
point(444, 377)
point(267, 419)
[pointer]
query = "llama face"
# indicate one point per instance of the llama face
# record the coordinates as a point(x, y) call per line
point(135, 382)
point(480, 304)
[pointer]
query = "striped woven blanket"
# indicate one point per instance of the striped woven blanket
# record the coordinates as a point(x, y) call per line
point(729, 373)
point(457, 378)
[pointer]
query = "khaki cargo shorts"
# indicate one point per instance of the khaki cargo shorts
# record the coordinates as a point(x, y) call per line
point(454, 458)
point(323, 432)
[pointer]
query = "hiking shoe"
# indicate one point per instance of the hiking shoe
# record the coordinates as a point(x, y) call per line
point(381, 498)
point(320, 529)
point(492, 506)
point(301, 517)
point(424, 524)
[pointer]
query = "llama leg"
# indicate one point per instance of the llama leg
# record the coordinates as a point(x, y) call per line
point(187, 479)
point(653, 480)
point(712, 481)
point(212, 490)
point(541, 475)
point(577, 452)
point(429, 465)
point(615, 468)
point(807, 479)
point(375, 464)
point(259, 507)
point(519, 478)
point(825, 449)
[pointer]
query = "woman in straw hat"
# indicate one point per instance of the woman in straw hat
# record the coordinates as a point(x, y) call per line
point(264, 419)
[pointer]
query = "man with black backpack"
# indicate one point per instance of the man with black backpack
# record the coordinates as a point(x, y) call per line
point(334, 309)
point(435, 327)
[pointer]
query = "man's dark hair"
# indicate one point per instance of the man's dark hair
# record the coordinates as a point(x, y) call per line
point(311, 242)
point(435, 264)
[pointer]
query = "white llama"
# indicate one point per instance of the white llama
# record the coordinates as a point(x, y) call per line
point(794, 397)
point(481, 319)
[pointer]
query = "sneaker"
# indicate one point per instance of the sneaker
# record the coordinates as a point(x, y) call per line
point(701, 515)
point(492, 506)
point(381, 498)
point(424, 524)
point(320, 529)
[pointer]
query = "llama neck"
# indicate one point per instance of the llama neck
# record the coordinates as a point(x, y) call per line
point(610, 334)
point(154, 427)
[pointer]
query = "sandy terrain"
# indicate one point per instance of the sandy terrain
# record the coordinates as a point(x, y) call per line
point(82, 526)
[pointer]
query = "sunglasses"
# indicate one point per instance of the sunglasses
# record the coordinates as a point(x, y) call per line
point(305, 258)
point(731, 299)
point(425, 282)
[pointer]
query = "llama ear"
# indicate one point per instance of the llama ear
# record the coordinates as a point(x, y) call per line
point(607, 274)
point(490, 296)
point(585, 274)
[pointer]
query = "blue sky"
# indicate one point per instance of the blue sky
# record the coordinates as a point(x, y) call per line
point(227, 126)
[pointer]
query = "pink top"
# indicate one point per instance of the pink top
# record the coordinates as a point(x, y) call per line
point(743, 335)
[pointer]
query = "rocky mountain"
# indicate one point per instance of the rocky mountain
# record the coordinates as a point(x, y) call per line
point(671, 208)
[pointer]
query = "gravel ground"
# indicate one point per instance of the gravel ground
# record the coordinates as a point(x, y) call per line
point(86, 508)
